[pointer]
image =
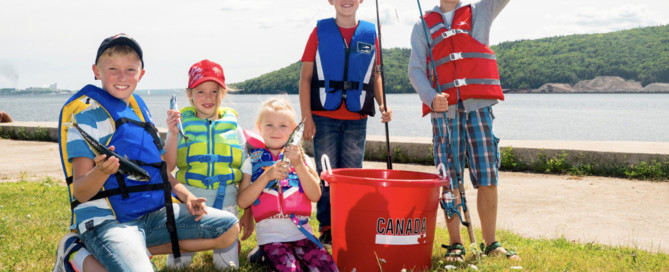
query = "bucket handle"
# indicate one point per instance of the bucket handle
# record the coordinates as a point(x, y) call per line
point(441, 170)
point(325, 164)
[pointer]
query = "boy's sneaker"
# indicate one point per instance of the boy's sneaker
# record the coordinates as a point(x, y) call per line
point(257, 256)
point(326, 236)
point(69, 244)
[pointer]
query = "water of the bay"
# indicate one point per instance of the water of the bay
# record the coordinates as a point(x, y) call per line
point(571, 117)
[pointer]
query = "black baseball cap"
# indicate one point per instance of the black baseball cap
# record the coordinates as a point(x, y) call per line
point(121, 38)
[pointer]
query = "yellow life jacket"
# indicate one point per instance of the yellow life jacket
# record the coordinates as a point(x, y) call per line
point(211, 158)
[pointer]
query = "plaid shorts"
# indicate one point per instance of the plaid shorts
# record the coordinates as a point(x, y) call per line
point(471, 138)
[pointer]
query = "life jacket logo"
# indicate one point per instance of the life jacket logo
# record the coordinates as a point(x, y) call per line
point(401, 231)
point(364, 48)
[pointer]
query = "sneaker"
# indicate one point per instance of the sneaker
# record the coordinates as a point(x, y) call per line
point(257, 256)
point(69, 244)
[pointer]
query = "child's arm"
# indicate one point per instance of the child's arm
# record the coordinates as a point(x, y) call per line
point(170, 155)
point(89, 175)
point(386, 112)
point(305, 99)
point(308, 176)
point(249, 192)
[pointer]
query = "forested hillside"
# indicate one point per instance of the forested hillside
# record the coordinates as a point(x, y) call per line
point(640, 54)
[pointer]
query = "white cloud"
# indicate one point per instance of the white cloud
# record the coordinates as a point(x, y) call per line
point(591, 19)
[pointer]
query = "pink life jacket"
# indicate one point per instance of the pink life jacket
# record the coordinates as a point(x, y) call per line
point(288, 199)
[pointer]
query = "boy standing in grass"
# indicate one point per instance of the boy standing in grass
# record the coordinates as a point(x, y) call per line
point(116, 216)
point(338, 84)
point(467, 74)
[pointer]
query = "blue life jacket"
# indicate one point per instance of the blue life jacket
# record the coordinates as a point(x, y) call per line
point(343, 72)
point(133, 138)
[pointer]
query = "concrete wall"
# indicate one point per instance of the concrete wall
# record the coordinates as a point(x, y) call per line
point(419, 149)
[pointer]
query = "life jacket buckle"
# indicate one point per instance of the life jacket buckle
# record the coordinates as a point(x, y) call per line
point(455, 56)
point(348, 85)
point(448, 33)
point(460, 82)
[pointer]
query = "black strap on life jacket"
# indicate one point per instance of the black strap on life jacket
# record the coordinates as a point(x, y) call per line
point(169, 210)
point(343, 85)
point(148, 126)
point(118, 191)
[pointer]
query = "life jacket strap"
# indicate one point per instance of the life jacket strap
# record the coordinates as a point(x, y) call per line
point(208, 181)
point(148, 126)
point(460, 55)
point(306, 233)
point(208, 158)
point(169, 211)
point(468, 81)
point(123, 190)
point(447, 34)
point(343, 85)
point(116, 191)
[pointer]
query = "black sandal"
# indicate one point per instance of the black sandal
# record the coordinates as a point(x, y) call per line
point(455, 251)
point(495, 245)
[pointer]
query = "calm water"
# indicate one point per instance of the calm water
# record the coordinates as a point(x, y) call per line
point(590, 117)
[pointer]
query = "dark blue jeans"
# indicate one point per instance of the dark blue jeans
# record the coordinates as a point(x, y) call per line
point(343, 141)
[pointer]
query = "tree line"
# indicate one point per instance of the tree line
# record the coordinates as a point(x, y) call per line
point(640, 54)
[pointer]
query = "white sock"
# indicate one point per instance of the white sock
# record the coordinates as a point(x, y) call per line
point(183, 261)
point(77, 259)
point(227, 257)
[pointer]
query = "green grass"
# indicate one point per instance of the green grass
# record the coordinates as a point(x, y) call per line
point(654, 170)
point(34, 216)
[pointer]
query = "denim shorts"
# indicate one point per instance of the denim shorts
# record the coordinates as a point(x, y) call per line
point(123, 246)
point(471, 138)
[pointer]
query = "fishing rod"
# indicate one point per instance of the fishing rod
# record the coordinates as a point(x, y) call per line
point(463, 199)
point(383, 88)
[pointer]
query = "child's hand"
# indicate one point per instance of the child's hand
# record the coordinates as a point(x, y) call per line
point(294, 154)
point(440, 102)
point(309, 129)
point(247, 224)
point(106, 165)
point(196, 206)
point(277, 171)
point(173, 117)
point(386, 115)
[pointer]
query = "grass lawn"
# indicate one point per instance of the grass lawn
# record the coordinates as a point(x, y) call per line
point(34, 216)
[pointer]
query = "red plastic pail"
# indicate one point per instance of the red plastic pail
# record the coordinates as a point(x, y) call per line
point(383, 218)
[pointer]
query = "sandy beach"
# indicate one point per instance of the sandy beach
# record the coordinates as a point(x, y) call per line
point(609, 211)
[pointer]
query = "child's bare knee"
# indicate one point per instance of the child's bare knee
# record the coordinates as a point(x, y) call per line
point(228, 237)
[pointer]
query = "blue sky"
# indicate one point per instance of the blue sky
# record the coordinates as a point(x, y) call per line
point(46, 41)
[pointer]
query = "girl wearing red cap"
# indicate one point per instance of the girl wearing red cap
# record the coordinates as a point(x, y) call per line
point(210, 156)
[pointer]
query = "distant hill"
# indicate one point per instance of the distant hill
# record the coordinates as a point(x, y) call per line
point(640, 54)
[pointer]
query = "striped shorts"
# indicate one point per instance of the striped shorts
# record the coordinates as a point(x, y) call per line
point(470, 138)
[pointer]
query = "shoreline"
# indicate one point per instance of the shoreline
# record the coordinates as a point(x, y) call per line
point(418, 150)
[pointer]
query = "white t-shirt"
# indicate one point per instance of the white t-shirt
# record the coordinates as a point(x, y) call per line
point(278, 228)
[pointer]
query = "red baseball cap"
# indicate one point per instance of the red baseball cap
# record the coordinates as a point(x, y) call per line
point(205, 70)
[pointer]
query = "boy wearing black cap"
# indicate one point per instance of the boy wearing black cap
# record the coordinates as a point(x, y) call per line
point(116, 216)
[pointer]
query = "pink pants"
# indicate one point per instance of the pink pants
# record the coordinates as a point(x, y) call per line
point(298, 256)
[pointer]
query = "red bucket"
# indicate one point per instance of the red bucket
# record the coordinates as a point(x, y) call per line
point(383, 218)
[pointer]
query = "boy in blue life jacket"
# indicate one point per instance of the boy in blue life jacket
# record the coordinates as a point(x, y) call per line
point(466, 74)
point(121, 220)
point(338, 84)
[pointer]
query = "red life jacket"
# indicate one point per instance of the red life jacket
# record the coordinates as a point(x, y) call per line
point(465, 67)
